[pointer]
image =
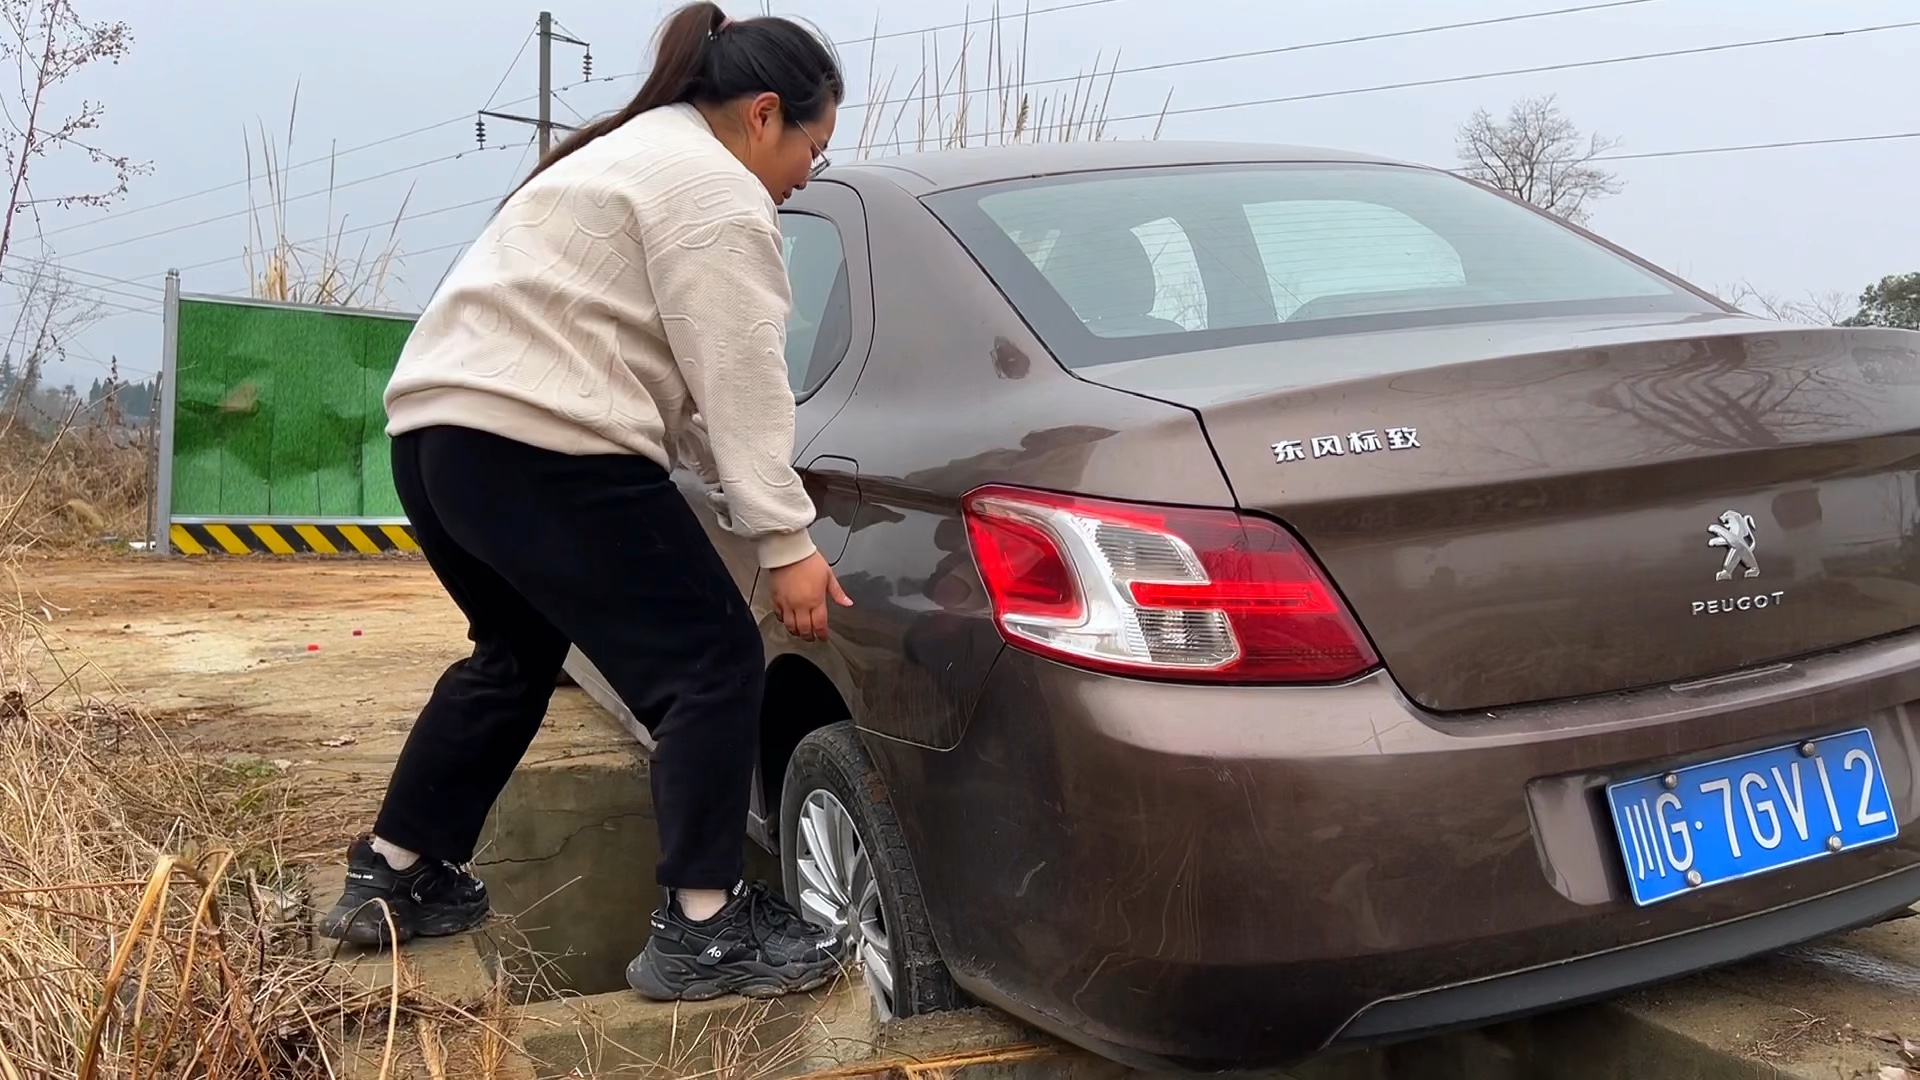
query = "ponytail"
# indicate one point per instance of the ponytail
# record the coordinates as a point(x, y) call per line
point(703, 57)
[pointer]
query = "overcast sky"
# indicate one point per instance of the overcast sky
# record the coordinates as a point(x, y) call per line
point(203, 74)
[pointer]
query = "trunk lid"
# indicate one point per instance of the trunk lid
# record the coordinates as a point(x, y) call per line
point(1545, 509)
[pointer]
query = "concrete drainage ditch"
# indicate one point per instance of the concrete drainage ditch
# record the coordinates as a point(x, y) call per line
point(569, 857)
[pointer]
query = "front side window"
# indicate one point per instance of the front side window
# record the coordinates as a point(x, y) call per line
point(1124, 265)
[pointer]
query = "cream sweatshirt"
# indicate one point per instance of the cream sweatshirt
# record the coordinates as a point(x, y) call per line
point(632, 299)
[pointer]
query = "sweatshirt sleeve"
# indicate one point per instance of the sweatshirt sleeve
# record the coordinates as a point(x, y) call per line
point(720, 283)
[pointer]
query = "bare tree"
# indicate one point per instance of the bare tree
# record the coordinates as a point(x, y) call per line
point(47, 42)
point(1815, 308)
point(53, 310)
point(1537, 154)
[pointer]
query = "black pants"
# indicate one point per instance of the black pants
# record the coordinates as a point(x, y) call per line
point(540, 549)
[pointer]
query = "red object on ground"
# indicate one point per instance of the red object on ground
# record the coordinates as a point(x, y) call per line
point(356, 633)
point(313, 648)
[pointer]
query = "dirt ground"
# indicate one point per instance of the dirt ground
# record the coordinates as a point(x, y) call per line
point(316, 665)
point(319, 666)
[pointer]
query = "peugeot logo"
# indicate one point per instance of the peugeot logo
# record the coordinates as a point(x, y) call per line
point(1734, 531)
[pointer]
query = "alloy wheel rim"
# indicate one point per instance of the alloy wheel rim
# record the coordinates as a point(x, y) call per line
point(838, 890)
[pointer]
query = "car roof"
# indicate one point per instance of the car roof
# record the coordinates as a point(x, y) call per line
point(926, 172)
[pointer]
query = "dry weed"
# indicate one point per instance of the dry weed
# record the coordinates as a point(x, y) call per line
point(155, 916)
point(69, 482)
point(155, 919)
point(955, 102)
point(326, 272)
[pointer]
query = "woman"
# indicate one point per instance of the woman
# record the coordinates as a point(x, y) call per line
point(625, 309)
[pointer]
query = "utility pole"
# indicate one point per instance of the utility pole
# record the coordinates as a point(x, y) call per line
point(546, 83)
point(544, 122)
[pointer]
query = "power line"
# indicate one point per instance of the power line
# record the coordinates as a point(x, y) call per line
point(1452, 79)
point(1760, 146)
point(103, 290)
point(232, 215)
point(29, 260)
point(1076, 5)
point(335, 156)
point(330, 189)
point(463, 118)
point(1254, 53)
point(393, 223)
point(467, 117)
point(524, 42)
point(24, 263)
point(1668, 153)
point(1185, 111)
point(390, 223)
point(123, 309)
point(490, 200)
point(131, 311)
point(876, 37)
point(128, 309)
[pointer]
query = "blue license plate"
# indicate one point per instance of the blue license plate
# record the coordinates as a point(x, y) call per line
point(1722, 820)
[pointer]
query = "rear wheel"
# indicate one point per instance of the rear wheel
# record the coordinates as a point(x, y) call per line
point(847, 869)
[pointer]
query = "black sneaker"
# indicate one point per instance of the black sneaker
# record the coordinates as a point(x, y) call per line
point(431, 899)
point(757, 946)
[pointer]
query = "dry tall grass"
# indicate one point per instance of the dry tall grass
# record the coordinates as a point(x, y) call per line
point(325, 273)
point(955, 102)
point(85, 481)
point(154, 915)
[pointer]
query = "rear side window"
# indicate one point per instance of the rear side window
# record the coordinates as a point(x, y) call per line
point(820, 326)
point(1124, 265)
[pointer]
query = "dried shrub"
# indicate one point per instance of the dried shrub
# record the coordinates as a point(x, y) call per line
point(75, 485)
point(155, 915)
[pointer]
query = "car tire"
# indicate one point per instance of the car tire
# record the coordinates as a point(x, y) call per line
point(832, 777)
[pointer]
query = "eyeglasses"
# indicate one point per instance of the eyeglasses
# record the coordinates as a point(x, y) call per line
point(820, 159)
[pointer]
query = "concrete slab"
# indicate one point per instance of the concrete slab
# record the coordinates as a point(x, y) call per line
point(621, 1033)
point(835, 1039)
point(452, 967)
point(1806, 1015)
point(1831, 1010)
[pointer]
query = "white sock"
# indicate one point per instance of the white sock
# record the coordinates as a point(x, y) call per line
point(397, 857)
point(699, 905)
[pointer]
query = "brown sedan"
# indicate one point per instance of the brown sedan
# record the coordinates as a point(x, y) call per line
point(1303, 599)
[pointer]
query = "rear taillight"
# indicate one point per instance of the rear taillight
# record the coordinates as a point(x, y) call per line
point(1160, 591)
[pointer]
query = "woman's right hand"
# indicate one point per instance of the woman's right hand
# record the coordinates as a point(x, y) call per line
point(800, 591)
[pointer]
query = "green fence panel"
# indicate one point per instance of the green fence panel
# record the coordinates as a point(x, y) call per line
point(379, 351)
point(279, 413)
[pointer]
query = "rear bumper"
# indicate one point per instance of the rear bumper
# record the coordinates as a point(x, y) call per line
point(1210, 878)
point(1588, 978)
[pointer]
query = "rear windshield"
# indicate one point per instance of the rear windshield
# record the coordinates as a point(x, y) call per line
point(1122, 265)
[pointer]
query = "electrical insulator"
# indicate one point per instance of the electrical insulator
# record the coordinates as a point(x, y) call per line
point(480, 129)
point(586, 65)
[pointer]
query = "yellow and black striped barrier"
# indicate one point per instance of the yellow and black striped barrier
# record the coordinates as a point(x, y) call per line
point(279, 538)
